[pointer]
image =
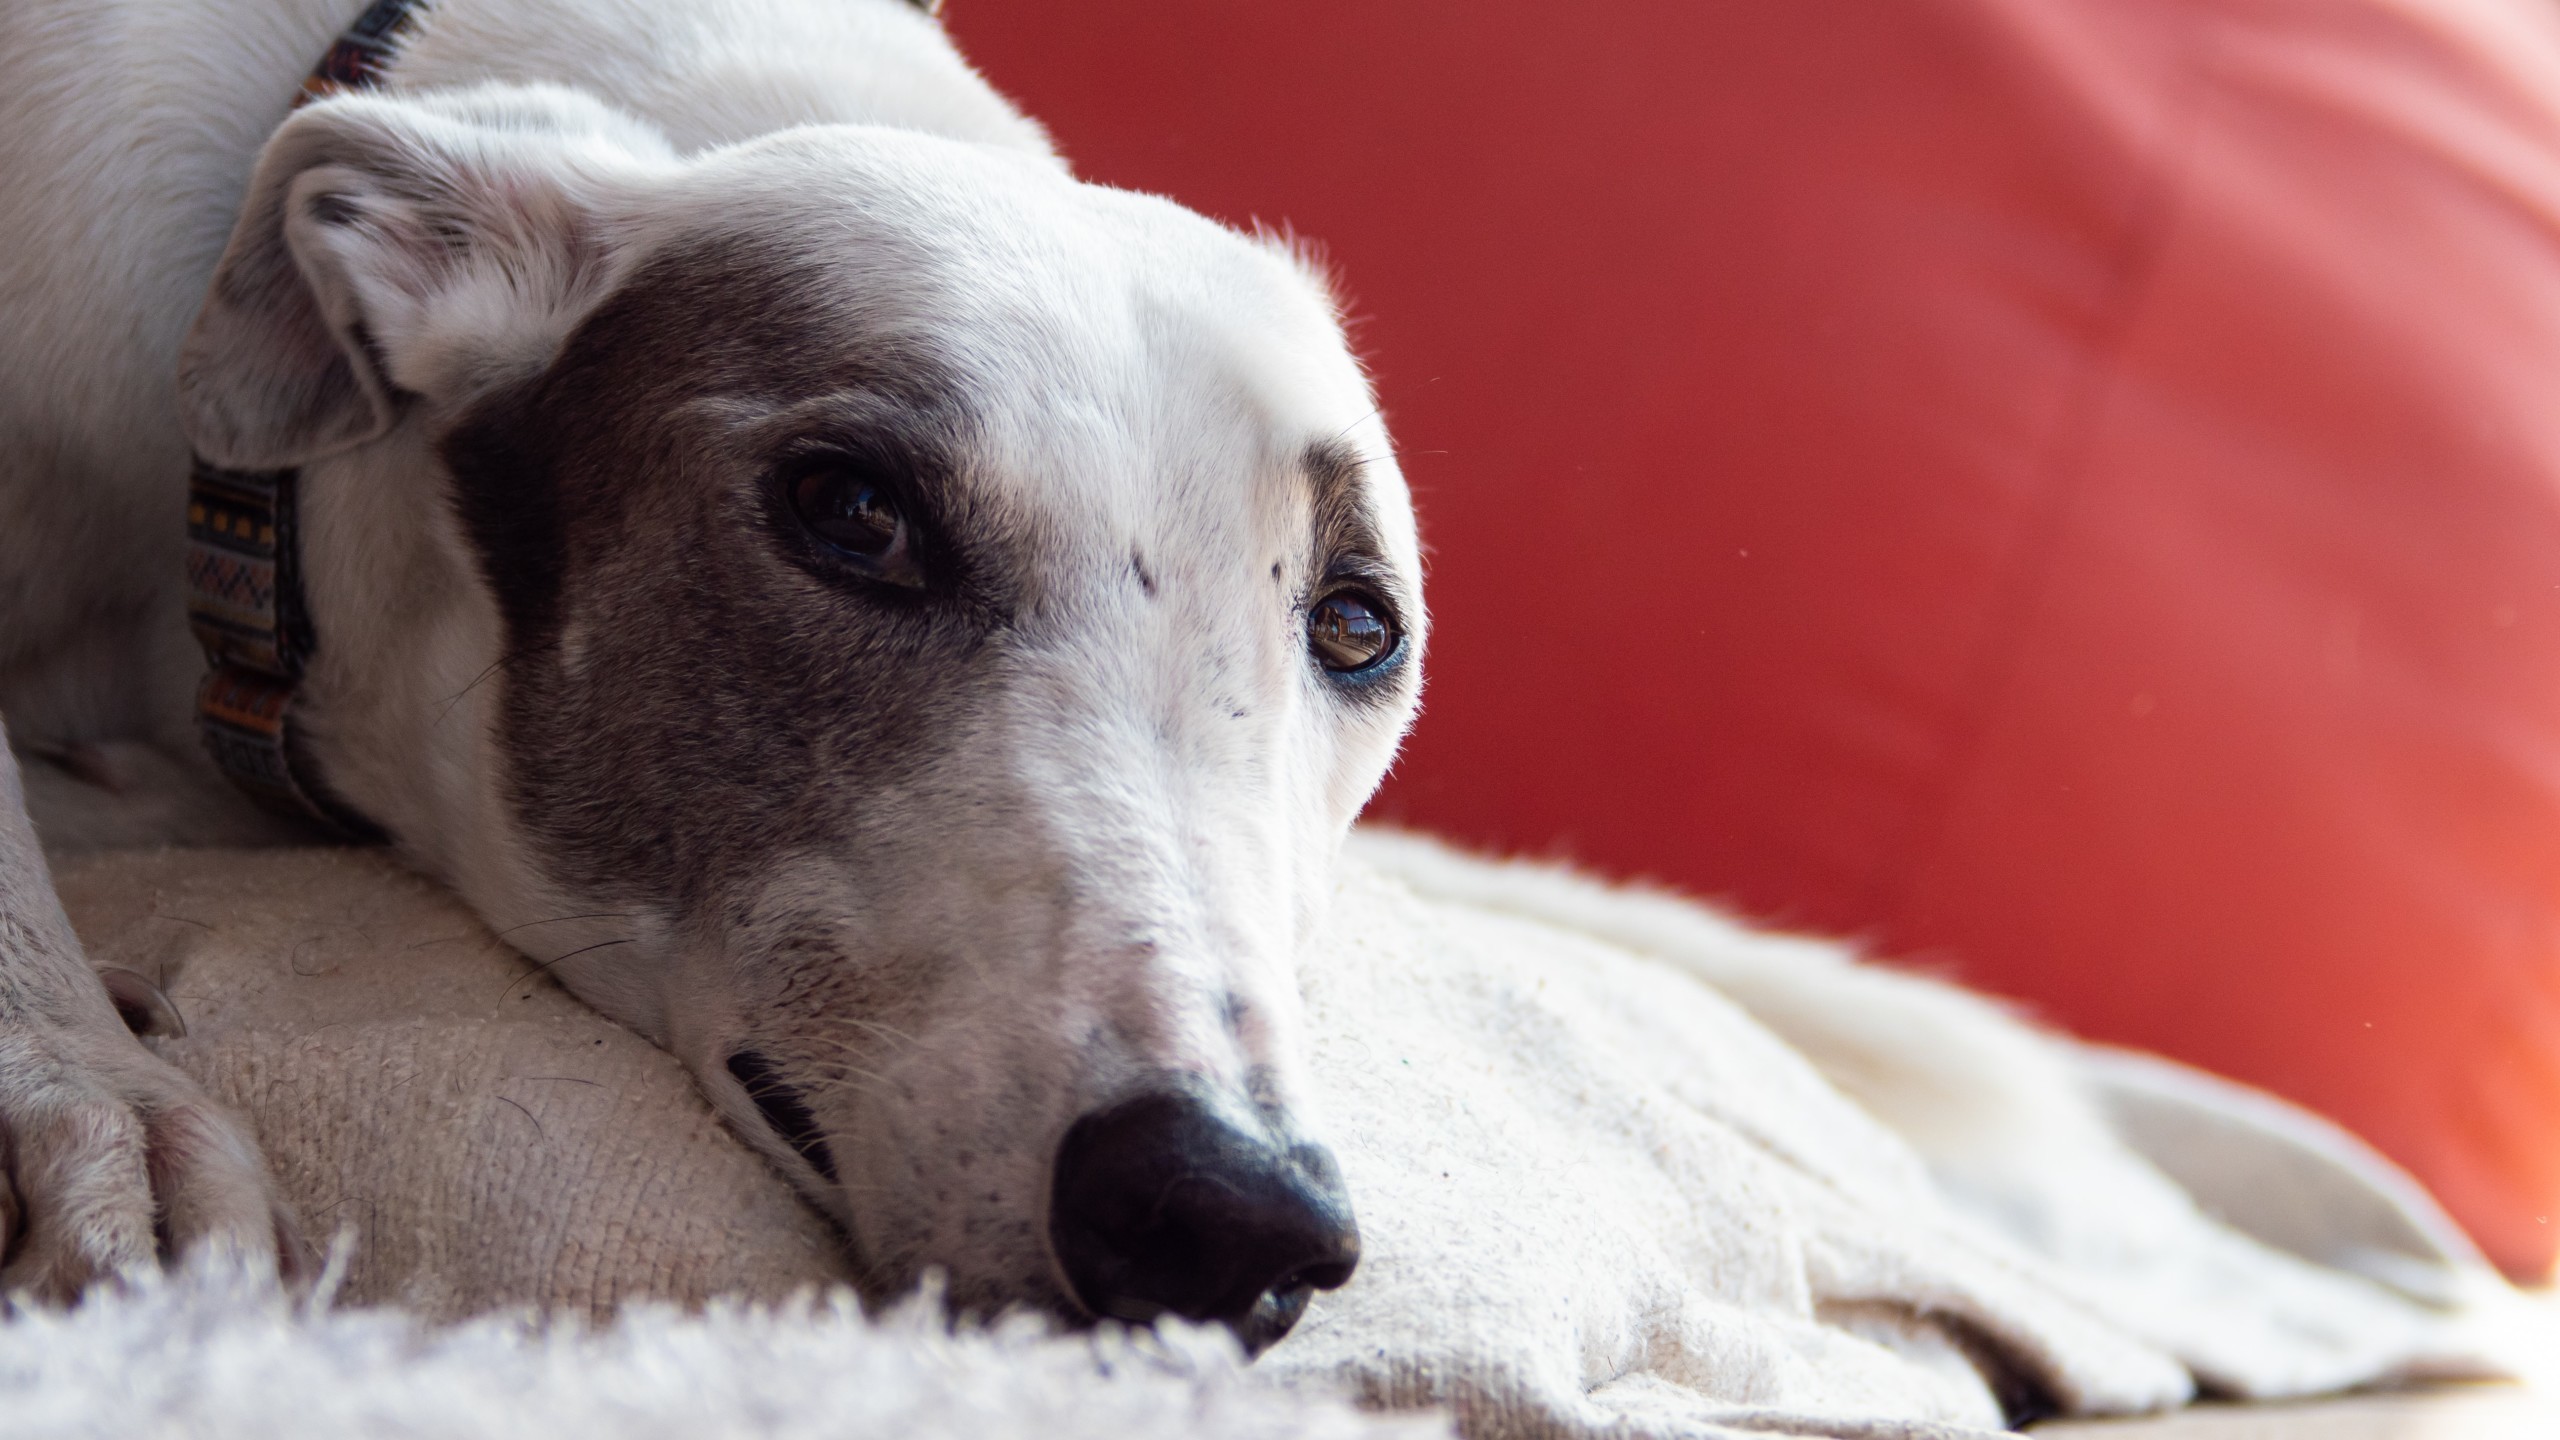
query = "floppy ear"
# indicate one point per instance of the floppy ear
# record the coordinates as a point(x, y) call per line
point(394, 247)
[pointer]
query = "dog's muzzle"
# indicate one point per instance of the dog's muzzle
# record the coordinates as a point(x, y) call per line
point(1162, 1205)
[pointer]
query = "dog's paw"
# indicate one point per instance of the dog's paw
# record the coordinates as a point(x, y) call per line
point(113, 1162)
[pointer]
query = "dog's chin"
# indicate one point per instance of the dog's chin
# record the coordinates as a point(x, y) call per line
point(980, 1262)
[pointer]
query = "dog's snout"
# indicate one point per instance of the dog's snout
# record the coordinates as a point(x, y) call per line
point(1162, 1205)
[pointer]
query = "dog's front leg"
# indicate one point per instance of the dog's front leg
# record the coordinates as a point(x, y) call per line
point(111, 1160)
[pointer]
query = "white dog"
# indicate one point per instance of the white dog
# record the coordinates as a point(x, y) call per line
point(904, 629)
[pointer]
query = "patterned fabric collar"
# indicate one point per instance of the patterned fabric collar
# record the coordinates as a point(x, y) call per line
point(244, 582)
point(361, 55)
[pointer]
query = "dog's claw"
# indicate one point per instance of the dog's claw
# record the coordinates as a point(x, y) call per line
point(146, 1008)
point(115, 1169)
point(111, 1159)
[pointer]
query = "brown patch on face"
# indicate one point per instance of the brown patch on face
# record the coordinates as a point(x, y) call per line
point(1344, 527)
point(687, 678)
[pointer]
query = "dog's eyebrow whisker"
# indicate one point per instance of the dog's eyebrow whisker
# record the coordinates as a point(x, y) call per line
point(1337, 437)
point(538, 971)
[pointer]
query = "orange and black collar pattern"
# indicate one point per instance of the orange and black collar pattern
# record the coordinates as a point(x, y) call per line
point(361, 55)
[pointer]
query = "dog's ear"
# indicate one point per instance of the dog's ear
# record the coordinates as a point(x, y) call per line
point(394, 247)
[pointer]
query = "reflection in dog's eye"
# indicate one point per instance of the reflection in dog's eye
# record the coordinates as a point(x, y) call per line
point(855, 515)
point(1349, 632)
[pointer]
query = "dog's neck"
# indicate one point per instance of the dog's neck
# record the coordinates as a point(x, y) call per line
point(244, 590)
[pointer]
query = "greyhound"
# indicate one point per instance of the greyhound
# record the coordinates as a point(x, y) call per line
point(904, 629)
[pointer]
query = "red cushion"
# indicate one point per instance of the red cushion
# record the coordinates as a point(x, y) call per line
point(2066, 490)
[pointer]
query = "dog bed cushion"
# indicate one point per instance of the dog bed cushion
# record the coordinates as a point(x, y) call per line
point(1598, 1194)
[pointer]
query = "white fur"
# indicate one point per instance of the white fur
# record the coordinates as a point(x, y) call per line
point(1117, 859)
point(130, 129)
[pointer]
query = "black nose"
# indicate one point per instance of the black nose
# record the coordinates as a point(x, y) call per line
point(1162, 1204)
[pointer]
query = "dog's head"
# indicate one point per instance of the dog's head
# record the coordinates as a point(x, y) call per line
point(905, 629)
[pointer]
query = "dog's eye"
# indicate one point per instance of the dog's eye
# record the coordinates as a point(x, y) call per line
point(857, 516)
point(1349, 632)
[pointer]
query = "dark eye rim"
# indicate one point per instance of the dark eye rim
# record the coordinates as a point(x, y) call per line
point(894, 475)
point(1372, 594)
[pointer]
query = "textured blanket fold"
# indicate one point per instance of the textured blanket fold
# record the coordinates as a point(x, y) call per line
point(1623, 1168)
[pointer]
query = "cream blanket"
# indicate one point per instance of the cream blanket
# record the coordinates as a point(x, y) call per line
point(1622, 1167)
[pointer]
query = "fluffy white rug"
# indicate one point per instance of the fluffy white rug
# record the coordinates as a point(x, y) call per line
point(1624, 1169)
point(214, 1357)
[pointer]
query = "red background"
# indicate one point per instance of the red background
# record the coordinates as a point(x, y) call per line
point(2066, 491)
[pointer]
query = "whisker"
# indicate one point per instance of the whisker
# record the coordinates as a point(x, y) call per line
point(538, 1132)
point(842, 1067)
point(540, 970)
point(456, 697)
point(564, 919)
point(840, 1046)
point(879, 1027)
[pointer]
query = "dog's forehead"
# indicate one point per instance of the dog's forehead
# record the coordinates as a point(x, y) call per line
point(1102, 345)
